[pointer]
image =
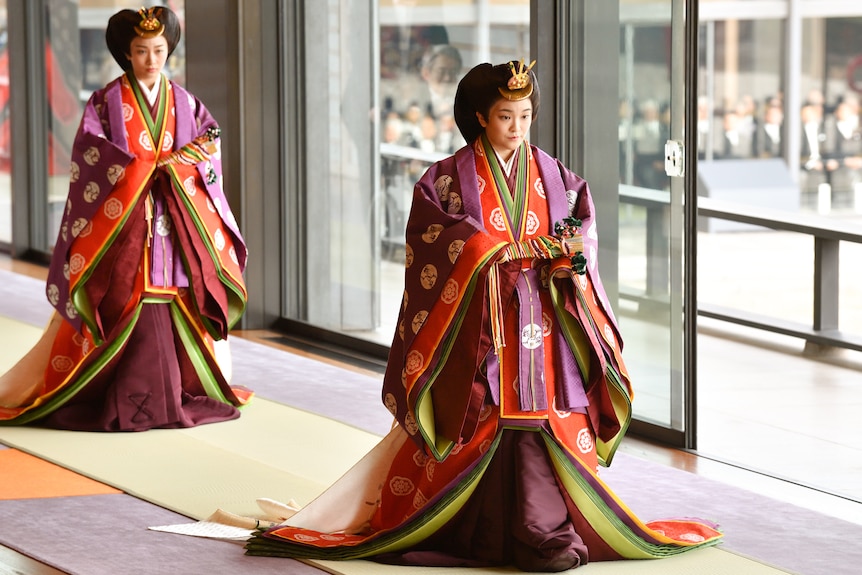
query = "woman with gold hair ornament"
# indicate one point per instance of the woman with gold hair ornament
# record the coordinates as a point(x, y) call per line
point(146, 275)
point(505, 374)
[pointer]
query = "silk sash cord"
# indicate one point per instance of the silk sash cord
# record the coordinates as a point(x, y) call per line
point(531, 353)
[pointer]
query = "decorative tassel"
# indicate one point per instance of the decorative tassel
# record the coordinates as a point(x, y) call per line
point(495, 306)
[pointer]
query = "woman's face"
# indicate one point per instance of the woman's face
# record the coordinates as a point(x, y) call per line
point(507, 125)
point(148, 57)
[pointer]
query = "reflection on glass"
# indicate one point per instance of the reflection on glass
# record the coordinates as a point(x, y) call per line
point(400, 121)
point(5, 139)
point(644, 223)
point(63, 85)
point(799, 152)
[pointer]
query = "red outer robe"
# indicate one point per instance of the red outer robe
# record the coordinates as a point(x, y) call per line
point(146, 273)
point(466, 475)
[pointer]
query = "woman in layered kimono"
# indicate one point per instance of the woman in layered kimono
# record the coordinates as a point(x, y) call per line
point(146, 275)
point(505, 375)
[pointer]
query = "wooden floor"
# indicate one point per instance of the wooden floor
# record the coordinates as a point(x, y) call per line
point(729, 453)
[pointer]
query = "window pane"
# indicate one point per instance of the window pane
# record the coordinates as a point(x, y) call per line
point(5, 140)
point(373, 131)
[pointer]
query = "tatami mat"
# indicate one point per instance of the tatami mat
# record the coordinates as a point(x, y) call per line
point(272, 451)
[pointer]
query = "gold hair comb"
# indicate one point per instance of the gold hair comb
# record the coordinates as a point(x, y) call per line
point(149, 26)
point(519, 85)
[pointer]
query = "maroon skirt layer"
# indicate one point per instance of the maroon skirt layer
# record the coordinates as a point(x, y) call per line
point(150, 383)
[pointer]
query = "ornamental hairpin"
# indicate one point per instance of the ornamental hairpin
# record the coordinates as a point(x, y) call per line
point(520, 85)
point(149, 26)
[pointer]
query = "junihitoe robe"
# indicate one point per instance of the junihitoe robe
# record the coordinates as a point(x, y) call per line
point(507, 382)
point(146, 274)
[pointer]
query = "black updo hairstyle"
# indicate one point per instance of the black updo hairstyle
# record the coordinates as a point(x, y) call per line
point(121, 31)
point(480, 89)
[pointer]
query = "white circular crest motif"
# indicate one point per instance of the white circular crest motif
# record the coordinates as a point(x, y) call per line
point(88, 229)
point(455, 203)
point(92, 155)
point(163, 225)
point(145, 141)
point(428, 276)
point(219, 240)
point(76, 263)
point(496, 220)
point(585, 440)
point(390, 403)
point(560, 414)
point(410, 424)
point(128, 112)
point(168, 142)
point(329, 537)
point(419, 500)
point(189, 186)
point(91, 192)
point(455, 250)
point(540, 188)
point(415, 362)
point(116, 173)
point(430, 467)
point(78, 226)
point(53, 294)
point(419, 320)
point(401, 486)
point(432, 233)
point(481, 183)
point(450, 292)
point(531, 336)
point(304, 537)
point(62, 363)
point(532, 223)
point(693, 537)
point(113, 208)
point(442, 185)
point(419, 458)
point(71, 312)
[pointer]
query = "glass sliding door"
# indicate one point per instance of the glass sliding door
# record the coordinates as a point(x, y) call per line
point(379, 112)
point(5, 133)
point(652, 223)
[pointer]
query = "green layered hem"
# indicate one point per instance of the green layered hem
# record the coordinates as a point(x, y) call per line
point(409, 535)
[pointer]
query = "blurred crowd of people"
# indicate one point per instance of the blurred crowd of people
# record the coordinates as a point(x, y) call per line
point(830, 147)
point(420, 114)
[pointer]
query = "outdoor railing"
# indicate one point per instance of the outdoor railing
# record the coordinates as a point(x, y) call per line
point(827, 233)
